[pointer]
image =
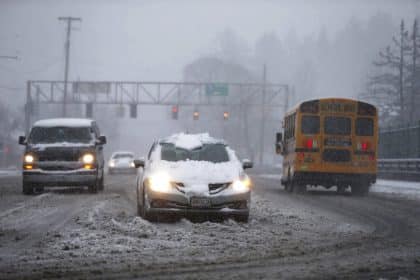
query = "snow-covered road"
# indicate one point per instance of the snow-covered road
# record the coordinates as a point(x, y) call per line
point(397, 188)
point(76, 234)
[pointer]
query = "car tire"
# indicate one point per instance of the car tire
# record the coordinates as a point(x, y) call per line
point(27, 188)
point(241, 218)
point(146, 214)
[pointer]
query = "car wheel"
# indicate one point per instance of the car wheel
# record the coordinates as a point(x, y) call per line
point(27, 188)
point(242, 218)
point(146, 214)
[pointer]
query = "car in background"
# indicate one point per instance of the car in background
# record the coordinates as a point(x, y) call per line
point(63, 152)
point(121, 162)
point(193, 174)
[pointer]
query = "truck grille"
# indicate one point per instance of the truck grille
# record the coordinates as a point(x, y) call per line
point(333, 155)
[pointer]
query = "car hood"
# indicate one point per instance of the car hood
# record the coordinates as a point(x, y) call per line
point(197, 172)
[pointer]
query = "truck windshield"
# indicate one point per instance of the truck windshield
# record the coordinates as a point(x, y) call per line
point(209, 152)
point(47, 135)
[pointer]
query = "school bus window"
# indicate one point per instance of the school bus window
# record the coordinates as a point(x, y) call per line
point(293, 124)
point(337, 125)
point(310, 125)
point(364, 127)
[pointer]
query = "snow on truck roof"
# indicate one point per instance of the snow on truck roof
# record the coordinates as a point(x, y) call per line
point(67, 122)
point(191, 141)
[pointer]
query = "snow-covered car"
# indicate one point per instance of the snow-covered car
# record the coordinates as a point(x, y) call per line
point(193, 174)
point(121, 162)
point(63, 152)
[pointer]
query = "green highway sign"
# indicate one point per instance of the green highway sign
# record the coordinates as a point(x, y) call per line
point(217, 89)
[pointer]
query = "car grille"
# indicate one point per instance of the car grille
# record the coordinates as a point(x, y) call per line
point(216, 188)
point(332, 155)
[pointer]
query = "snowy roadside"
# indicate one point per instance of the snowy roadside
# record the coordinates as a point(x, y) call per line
point(106, 232)
point(401, 188)
point(9, 172)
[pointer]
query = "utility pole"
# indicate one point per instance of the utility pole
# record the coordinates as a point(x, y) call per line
point(69, 20)
point(261, 159)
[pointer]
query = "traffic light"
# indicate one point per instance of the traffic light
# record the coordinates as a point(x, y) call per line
point(133, 111)
point(89, 110)
point(175, 112)
point(196, 115)
point(225, 115)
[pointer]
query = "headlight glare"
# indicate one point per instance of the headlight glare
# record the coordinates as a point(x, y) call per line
point(242, 185)
point(160, 183)
point(111, 163)
point(29, 158)
point(88, 159)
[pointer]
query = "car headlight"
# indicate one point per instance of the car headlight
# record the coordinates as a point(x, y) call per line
point(242, 185)
point(29, 158)
point(160, 182)
point(111, 163)
point(132, 164)
point(88, 159)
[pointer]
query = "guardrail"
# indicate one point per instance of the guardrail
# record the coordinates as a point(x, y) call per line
point(406, 169)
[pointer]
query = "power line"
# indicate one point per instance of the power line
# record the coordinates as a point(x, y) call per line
point(8, 57)
point(69, 21)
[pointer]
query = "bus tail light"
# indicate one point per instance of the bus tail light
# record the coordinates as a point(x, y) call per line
point(363, 146)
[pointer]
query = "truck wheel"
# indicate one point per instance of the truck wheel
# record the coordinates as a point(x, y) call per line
point(27, 188)
point(361, 189)
point(101, 185)
point(93, 188)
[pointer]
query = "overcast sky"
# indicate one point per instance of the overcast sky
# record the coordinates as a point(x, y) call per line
point(153, 40)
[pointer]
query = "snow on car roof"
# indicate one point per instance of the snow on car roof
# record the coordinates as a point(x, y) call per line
point(70, 122)
point(191, 141)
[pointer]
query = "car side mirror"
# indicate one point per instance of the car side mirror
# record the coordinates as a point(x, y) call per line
point(279, 143)
point(246, 163)
point(22, 140)
point(101, 140)
point(138, 163)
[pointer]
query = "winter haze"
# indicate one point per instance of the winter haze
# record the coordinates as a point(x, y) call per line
point(319, 48)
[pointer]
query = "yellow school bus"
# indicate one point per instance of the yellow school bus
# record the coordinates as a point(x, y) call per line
point(329, 142)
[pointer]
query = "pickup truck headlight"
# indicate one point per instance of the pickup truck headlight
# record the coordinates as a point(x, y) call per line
point(88, 158)
point(29, 158)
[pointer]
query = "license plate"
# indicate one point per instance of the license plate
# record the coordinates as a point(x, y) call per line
point(200, 202)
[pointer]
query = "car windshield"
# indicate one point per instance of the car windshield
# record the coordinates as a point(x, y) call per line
point(46, 135)
point(120, 156)
point(208, 152)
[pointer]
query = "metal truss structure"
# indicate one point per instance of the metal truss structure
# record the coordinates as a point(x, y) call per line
point(153, 93)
